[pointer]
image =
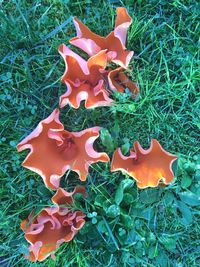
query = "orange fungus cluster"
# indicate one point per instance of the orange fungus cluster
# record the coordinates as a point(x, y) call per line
point(54, 150)
point(53, 225)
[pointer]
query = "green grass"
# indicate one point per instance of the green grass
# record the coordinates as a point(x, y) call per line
point(159, 227)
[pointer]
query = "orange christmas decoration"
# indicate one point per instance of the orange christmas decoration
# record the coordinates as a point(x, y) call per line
point(84, 80)
point(119, 81)
point(114, 42)
point(147, 167)
point(53, 150)
point(52, 226)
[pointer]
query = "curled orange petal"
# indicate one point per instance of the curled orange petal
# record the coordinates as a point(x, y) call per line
point(147, 167)
point(122, 23)
point(84, 79)
point(114, 42)
point(50, 228)
point(119, 81)
point(86, 40)
point(53, 150)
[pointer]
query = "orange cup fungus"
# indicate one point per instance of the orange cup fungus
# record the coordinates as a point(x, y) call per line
point(53, 225)
point(114, 42)
point(90, 81)
point(54, 150)
point(84, 79)
point(147, 167)
point(119, 81)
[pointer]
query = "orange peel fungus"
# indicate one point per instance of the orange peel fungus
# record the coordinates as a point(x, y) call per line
point(52, 226)
point(89, 81)
point(54, 150)
point(114, 42)
point(119, 81)
point(84, 79)
point(147, 167)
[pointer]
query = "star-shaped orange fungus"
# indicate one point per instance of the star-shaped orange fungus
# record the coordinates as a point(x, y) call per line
point(147, 167)
point(114, 42)
point(52, 226)
point(53, 150)
point(84, 79)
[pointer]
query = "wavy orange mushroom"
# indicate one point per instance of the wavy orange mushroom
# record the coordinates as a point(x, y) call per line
point(147, 167)
point(54, 150)
point(52, 226)
point(84, 79)
point(114, 42)
point(119, 81)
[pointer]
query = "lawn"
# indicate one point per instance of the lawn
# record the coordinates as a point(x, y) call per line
point(147, 227)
